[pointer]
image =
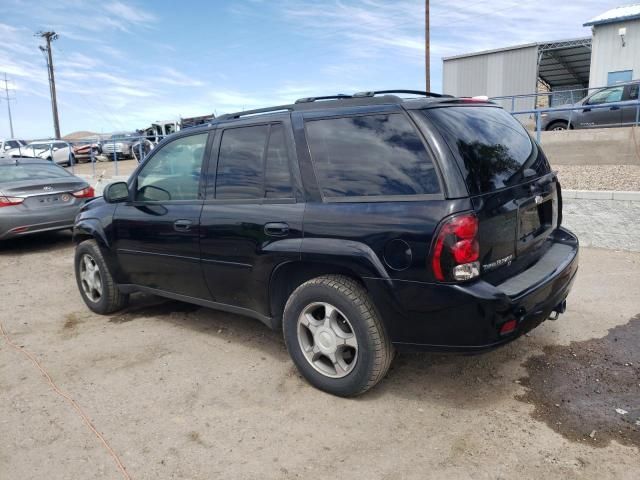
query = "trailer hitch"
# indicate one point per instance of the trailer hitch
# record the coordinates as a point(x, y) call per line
point(557, 310)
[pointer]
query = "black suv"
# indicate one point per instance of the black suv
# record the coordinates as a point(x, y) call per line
point(357, 224)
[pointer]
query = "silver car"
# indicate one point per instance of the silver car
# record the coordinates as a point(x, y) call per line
point(584, 116)
point(37, 196)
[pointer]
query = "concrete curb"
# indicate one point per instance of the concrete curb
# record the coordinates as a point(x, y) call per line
point(601, 195)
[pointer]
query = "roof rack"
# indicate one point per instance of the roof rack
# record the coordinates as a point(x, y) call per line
point(340, 96)
point(246, 113)
point(307, 103)
point(411, 92)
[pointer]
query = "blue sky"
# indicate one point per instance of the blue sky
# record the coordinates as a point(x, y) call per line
point(121, 65)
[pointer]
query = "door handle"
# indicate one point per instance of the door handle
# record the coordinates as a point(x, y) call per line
point(586, 110)
point(182, 225)
point(276, 229)
point(615, 107)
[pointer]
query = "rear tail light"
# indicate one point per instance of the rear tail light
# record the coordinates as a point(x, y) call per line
point(456, 251)
point(9, 201)
point(508, 327)
point(88, 192)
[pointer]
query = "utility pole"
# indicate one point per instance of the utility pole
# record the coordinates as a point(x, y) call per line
point(49, 36)
point(427, 47)
point(6, 92)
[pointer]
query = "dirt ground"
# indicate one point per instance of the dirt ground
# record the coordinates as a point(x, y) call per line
point(182, 392)
point(106, 169)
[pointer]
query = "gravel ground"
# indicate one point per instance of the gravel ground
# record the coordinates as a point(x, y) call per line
point(599, 177)
point(182, 392)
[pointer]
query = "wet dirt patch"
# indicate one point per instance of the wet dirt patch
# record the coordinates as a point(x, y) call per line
point(589, 391)
point(72, 320)
point(153, 310)
point(70, 326)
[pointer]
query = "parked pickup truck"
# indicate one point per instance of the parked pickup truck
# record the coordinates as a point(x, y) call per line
point(120, 144)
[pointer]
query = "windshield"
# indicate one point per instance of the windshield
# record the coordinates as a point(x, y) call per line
point(492, 149)
point(31, 171)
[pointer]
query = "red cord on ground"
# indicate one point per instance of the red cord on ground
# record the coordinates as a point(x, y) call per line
point(67, 397)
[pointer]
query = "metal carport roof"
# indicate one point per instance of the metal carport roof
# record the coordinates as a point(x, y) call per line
point(565, 62)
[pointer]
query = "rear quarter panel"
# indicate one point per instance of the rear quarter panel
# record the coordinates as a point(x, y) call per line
point(396, 236)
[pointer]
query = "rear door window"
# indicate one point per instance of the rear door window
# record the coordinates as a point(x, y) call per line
point(240, 163)
point(277, 181)
point(253, 164)
point(492, 149)
point(370, 155)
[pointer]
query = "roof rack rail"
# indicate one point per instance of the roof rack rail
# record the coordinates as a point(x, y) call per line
point(245, 113)
point(340, 96)
point(411, 92)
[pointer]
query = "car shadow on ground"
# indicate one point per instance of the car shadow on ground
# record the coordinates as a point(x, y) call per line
point(230, 327)
point(454, 380)
point(37, 243)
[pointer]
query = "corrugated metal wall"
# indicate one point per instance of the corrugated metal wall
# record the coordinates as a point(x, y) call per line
point(608, 55)
point(506, 72)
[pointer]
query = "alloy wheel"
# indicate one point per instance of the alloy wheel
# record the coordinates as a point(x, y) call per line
point(90, 278)
point(327, 340)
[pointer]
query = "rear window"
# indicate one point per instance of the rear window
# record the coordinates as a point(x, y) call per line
point(370, 155)
point(31, 171)
point(493, 150)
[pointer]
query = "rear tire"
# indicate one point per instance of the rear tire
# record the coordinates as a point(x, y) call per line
point(95, 282)
point(335, 337)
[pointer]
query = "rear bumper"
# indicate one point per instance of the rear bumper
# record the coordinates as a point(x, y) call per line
point(468, 317)
point(20, 224)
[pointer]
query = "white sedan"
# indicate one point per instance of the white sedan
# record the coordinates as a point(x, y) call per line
point(56, 150)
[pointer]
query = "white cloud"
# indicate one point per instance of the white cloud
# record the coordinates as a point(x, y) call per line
point(136, 15)
point(171, 76)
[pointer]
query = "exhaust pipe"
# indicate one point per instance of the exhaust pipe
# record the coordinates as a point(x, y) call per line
point(557, 310)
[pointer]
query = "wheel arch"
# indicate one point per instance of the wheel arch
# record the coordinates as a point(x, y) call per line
point(288, 276)
point(558, 121)
point(90, 228)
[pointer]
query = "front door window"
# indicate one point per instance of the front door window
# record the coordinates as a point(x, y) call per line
point(173, 173)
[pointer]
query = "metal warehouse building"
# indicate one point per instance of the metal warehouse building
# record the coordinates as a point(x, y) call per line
point(611, 55)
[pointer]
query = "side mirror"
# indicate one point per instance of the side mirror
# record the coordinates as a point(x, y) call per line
point(116, 192)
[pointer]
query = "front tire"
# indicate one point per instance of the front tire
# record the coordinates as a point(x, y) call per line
point(95, 282)
point(558, 126)
point(335, 337)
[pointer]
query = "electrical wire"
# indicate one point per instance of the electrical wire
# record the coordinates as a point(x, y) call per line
point(69, 399)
